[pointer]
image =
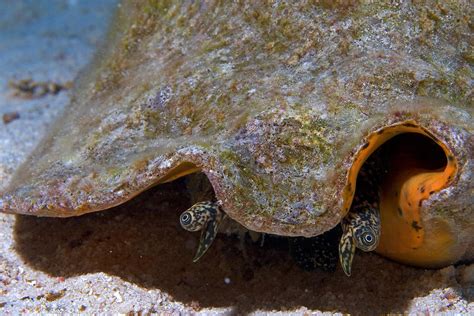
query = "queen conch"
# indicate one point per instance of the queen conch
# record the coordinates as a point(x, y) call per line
point(279, 104)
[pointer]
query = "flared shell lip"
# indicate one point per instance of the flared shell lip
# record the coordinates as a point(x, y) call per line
point(158, 171)
point(52, 202)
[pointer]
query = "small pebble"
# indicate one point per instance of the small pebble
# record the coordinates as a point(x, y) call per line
point(227, 280)
point(53, 296)
point(118, 297)
point(10, 117)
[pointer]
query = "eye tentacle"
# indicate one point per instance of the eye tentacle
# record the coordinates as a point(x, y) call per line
point(362, 225)
point(203, 216)
point(347, 249)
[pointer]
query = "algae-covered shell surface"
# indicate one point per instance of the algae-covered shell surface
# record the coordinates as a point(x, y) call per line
point(279, 104)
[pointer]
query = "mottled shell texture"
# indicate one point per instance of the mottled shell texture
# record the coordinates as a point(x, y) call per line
point(279, 104)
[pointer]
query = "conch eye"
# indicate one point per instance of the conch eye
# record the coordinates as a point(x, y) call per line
point(368, 239)
point(185, 219)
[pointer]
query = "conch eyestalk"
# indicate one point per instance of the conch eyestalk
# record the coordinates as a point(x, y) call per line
point(279, 104)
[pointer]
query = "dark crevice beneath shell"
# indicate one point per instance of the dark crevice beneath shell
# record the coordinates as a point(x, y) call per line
point(141, 242)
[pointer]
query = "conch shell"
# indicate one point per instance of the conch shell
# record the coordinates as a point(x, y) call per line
point(279, 104)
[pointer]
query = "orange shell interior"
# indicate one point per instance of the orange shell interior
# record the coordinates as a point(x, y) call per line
point(406, 237)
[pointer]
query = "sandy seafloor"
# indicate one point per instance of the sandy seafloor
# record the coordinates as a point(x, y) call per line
point(135, 257)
